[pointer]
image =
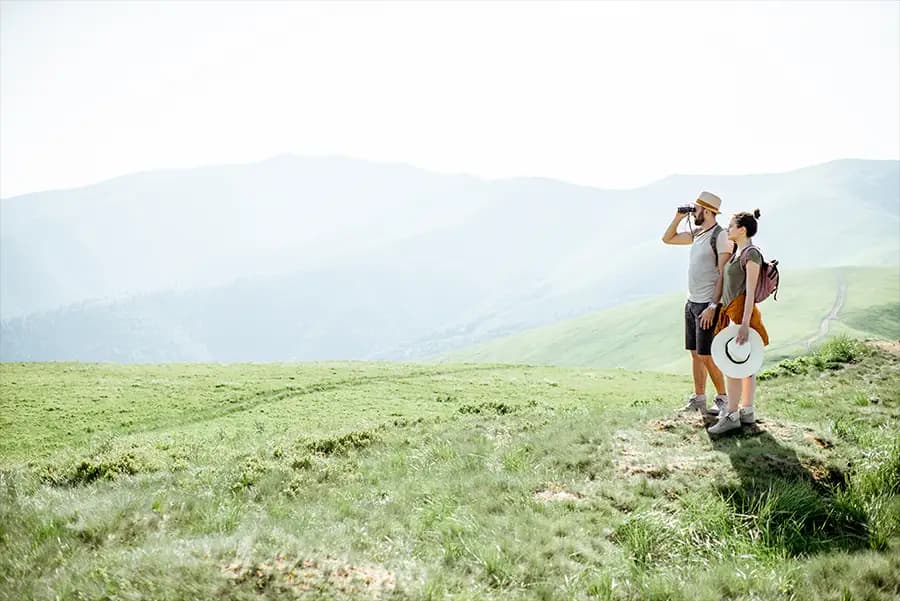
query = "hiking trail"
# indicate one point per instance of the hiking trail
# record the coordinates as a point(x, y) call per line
point(832, 315)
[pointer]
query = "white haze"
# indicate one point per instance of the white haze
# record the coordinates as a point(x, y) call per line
point(605, 94)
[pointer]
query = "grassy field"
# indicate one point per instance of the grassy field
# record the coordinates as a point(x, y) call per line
point(649, 334)
point(392, 481)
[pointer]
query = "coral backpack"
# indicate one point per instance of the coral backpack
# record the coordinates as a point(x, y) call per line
point(767, 284)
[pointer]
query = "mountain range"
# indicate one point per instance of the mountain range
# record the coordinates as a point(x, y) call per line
point(330, 258)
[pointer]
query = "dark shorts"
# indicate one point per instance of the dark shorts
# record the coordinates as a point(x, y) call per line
point(695, 337)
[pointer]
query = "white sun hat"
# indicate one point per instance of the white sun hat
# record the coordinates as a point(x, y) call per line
point(737, 360)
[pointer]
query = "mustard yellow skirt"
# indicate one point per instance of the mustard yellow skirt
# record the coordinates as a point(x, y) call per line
point(734, 312)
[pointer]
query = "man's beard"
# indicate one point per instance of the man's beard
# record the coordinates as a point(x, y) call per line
point(698, 219)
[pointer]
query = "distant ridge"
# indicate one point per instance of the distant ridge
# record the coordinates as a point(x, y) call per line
point(317, 258)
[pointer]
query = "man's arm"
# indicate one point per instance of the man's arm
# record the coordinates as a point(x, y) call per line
point(671, 235)
point(724, 250)
point(724, 255)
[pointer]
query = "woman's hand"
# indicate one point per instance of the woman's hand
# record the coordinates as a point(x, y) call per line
point(743, 334)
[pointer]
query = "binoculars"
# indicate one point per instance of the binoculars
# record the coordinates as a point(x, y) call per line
point(686, 209)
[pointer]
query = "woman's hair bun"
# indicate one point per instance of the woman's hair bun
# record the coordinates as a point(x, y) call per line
point(756, 213)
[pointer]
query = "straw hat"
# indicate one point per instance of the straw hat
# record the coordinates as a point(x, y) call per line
point(737, 360)
point(710, 201)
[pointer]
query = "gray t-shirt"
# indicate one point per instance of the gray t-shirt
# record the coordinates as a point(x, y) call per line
point(703, 271)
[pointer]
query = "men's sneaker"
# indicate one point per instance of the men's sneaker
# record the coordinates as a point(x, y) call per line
point(721, 404)
point(747, 415)
point(726, 423)
point(697, 402)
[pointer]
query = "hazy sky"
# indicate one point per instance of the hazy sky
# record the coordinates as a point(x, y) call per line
point(606, 94)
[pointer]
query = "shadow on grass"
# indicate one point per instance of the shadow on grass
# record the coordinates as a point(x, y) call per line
point(789, 507)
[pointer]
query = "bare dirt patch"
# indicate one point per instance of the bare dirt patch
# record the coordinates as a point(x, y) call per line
point(667, 446)
point(556, 492)
point(302, 575)
point(681, 421)
point(819, 440)
point(891, 346)
point(784, 432)
point(663, 466)
point(652, 454)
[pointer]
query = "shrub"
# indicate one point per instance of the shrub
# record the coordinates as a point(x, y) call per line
point(840, 349)
point(831, 354)
point(340, 444)
point(488, 407)
point(108, 465)
point(250, 472)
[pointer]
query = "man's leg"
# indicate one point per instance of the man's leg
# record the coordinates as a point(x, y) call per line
point(697, 402)
point(715, 374)
point(704, 349)
point(691, 327)
point(700, 371)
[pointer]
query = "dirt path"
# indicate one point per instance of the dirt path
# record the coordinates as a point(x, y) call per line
point(826, 323)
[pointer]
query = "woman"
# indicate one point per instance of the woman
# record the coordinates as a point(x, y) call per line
point(738, 285)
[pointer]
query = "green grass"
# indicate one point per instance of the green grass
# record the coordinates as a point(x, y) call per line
point(833, 353)
point(392, 481)
point(649, 334)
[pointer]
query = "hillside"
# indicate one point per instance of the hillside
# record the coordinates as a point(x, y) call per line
point(649, 334)
point(399, 482)
point(314, 259)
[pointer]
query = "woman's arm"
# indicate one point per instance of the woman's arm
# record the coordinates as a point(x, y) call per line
point(749, 301)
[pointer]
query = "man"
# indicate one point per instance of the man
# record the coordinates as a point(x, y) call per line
point(710, 251)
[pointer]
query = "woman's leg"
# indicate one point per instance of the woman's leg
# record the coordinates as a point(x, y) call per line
point(748, 386)
point(730, 420)
point(734, 393)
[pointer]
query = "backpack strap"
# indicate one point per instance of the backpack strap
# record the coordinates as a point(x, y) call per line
point(713, 239)
point(744, 258)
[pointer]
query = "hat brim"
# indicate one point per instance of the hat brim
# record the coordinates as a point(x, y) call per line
point(728, 366)
point(706, 205)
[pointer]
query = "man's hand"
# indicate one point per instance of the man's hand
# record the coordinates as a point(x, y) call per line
point(743, 334)
point(706, 318)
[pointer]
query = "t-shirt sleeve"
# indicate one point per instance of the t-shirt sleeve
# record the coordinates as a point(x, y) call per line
point(755, 256)
point(723, 244)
